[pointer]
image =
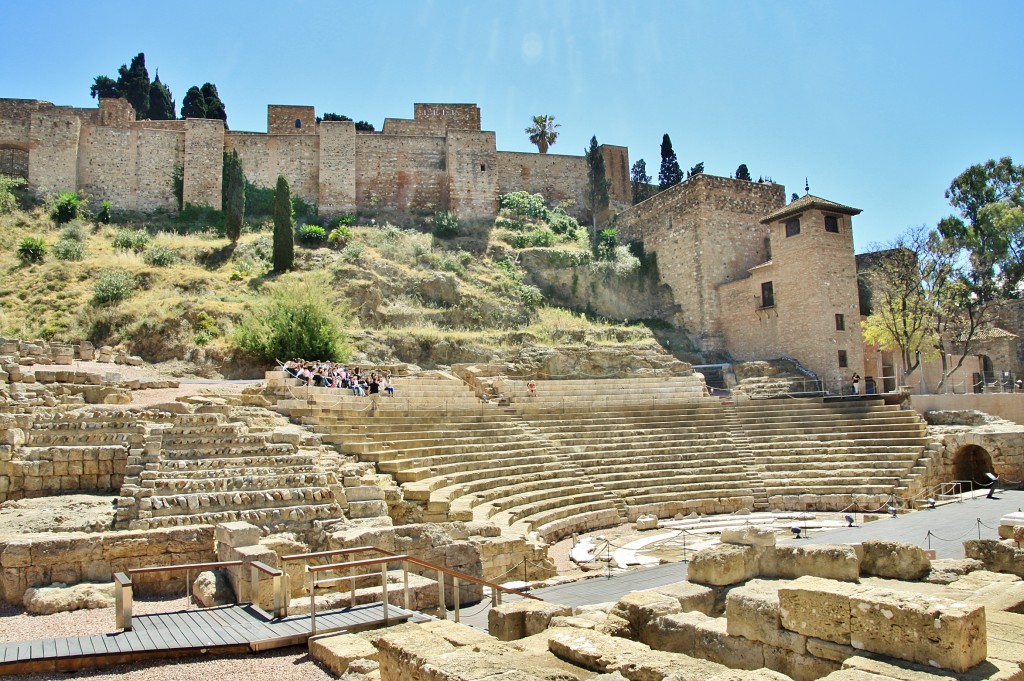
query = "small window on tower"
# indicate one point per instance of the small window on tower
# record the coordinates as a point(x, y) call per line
point(767, 294)
point(767, 249)
point(842, 359)
point(840, 323)
point(792, 227)
point(483, 167)
point(831, 224)
point(298, 123)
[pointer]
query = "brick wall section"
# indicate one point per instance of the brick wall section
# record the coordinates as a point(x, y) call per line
point(616, 169)
point(454, 116)
point(107, 164)
point(264, 157)
point(115, 113)
point(705, 231)
point(158, 151)
point(407, 173)
point(471, 160)
point(281, 120)
point(337, 167)
point(403, 126)
point(556, 176)
point(204, 161)
point(53, 152)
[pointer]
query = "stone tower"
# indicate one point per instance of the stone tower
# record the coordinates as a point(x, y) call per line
point(813, 287)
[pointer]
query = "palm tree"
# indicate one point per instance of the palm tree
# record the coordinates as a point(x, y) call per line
point(542, 132)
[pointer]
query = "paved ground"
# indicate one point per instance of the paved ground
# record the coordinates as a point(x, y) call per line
point(943, 529)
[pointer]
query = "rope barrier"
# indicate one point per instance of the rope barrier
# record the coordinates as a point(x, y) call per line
point(932, 534)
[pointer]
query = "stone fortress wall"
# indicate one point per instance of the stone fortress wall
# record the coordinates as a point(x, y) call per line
point(441, 159)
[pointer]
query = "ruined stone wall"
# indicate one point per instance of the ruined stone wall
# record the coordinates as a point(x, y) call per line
point(53, 150)
point(15, 129)
point(337, 167)
point(404, 126)
point(36, 560)
point(471, 160)
point(558, 178)
point(402, 172)
point(106, 168)
point(616, 169)
point(453, 116)
point(264, 157)
point(281, 120)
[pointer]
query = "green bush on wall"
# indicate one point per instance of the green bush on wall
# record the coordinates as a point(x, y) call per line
point(31, 250)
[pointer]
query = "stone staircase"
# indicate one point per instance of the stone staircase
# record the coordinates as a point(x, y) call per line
point(842, 453)
point(203, 469)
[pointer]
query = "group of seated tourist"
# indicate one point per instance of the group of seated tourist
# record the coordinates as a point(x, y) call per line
point(334, 375)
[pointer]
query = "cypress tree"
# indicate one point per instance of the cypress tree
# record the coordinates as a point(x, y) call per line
point(161, 105)
point(133, 84)
point(641, 181)
point(597, 185)
point(742, 173)
point(284, 232)
point(234, 196)
point(670, 173)
point(214, 107)
point(194, 104)
point(104, 86)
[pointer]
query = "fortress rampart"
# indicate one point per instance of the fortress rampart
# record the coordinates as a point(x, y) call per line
point(440, 159)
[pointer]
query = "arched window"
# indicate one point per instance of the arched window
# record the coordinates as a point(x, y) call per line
point(298, 123)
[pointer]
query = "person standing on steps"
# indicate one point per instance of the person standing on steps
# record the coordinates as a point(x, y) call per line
point(373, 388)
point(856, 383)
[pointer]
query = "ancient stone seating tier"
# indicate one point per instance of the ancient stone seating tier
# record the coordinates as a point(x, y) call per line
point(411, 394)
point(563, 394)
point(202, 469)
point(74, 452)
point(842, 453)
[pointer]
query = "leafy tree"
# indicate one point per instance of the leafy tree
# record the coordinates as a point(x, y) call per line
point(8, 199)
point(133, 84)
point(670, 173)
point(334, 117)
point(104, 86)
point(542, 132)
point(641, 181)
point(284, 230)
point(697, 169)
point(743, 174)
point(597, 186)
point(363, 126)
point(792, 197)
point(161, 103)
point(607, 242)
point(234, 196)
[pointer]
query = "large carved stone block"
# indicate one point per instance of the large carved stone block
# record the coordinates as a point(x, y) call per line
point(829, 561)
point(639, 608)
point(513, 621)
point(818, 607)
point(724, 564)
point(932, 631)
point(894, 560)
point(752, 611)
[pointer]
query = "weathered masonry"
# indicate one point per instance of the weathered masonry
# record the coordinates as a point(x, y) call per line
point(441, 159)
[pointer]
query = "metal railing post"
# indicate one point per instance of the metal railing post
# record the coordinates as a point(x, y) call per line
point(279, 607)
point(188, 591)
point(122, 601)
point(254, 585)
point(405, 582)
point(442, 611)
point(352, 588)
point(384, 589)
point(312, 604)
point(455, 596)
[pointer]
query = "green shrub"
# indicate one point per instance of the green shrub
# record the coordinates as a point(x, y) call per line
point(303, 212)
point(160, 256)
point(446, 224)
point(8, 200)
point(346, 220)
point(607, 242)
point(530, 296)
point(103, 217)
point(65, 207)
point(541, 237)
point(295, 319)
point(339, 237)
point(260, 249)
point(134, 240)
point(73, 232)
point(31, 249)
point(312, 235)
point(113, 286)
point(68, 249)
point(524, 204)
point(193, 218)
point(562, 223)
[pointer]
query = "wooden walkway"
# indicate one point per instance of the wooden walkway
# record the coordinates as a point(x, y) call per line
point(219, 631)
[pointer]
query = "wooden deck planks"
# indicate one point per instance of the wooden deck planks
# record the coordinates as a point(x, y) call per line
point(227, 626)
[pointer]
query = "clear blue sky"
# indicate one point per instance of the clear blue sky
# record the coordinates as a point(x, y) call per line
point(879, 104)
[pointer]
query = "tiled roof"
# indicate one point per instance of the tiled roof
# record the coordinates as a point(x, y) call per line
point(806, 202)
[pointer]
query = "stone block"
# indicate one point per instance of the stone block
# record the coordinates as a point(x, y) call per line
point(752, 611)
point(713, 642)
point(639, 608)
point(818, 607)
point(603, 654)
point(16, 553)
point(364, 493)
point(237, 534)
point(513, 621)
point(750, 535)
point(366, 509)
point(647, 522)
point(894, 560)
point(927, 630)
point(691, 597)
point(723, 564)
point(63, 598)
point(827, 650)
point(796, 666)
point(338, 651)
point(829, 561)
point(212, 588)
point(996, 556)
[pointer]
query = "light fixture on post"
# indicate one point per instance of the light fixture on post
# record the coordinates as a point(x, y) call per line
point(849, 521)
point(993, 479)
point(931, 504)
point(796, 532)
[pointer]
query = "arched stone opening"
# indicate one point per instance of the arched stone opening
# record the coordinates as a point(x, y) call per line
point(14, 161)
point(973, 463)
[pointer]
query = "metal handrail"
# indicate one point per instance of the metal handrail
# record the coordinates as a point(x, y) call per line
point(124, 586)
